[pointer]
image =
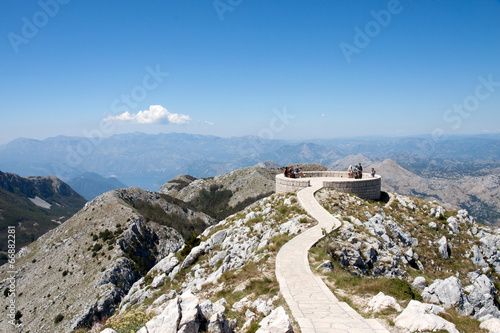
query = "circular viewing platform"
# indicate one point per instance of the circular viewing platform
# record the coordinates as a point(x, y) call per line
point(367, 187)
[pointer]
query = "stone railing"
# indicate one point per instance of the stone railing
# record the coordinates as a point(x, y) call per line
point(367, 188)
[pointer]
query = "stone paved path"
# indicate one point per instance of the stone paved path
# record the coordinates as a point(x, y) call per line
point(313, 305)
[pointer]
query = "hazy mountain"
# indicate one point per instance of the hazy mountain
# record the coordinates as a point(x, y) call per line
point(351, 160)
point(479, 194)
point(91, 185)
point(34, 205)
point(148, 161)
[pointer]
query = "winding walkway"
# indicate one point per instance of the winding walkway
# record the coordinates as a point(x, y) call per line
point(313, 305)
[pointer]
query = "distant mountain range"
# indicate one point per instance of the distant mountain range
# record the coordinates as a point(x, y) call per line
point(91, 185)
point(460, 170)
point(34, 205)
point(148, 161)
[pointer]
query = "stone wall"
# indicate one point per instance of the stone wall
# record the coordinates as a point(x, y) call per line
point(367, 188)
point(284, 185)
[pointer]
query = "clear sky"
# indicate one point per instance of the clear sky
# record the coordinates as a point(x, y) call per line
point(279, 69)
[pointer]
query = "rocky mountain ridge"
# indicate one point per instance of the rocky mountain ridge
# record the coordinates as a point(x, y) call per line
point(448, 258)
point(130, 255)
point(33, 205)
point(83, 268)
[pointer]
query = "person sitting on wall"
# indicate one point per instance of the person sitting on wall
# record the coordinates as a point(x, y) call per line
point(349, 172)
point(298, 172)
point(360, 171)
point(373, 172)
point(355, 172)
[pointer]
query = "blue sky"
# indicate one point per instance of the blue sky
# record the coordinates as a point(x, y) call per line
point(279, 69)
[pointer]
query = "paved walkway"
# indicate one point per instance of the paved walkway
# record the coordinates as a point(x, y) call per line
point(313, 305)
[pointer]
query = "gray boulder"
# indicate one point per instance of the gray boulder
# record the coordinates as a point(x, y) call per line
point(326, 266)
point(453, 224)
point(277, 322)
point(444, 250)
point(481, 295)
point(166, 265)
point(194, 254)
point(167, 321)
point(218, 324)
point(190, 319)
point(381, 301)
point(218, 238)
point(477, 257)
point(491, 324)
point(421, 317)
point(419, 283)
point(351, 256)
point(447, 292)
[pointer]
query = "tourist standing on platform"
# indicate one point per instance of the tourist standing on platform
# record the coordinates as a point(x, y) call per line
point(360, 171)
point(373, 172)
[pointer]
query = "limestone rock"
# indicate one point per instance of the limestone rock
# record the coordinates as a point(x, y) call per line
point(218, 324)
point(444, 250)
point(419, 283)
point(326, 266)
point(453, 224)
point(293, 226)
point(381, 301)
point(351, 256)
point(108, 330)
point(159, 280)
point(447, 292)
point(218, 238)
point(477, 257)
point(420, 317)
point(261, 306)
point(194, 254)
point(168, 320)
point(166, 265)
point(242, 304)
point(481, 295)
point(277, 322)
point(189, 305)
point(492, 325)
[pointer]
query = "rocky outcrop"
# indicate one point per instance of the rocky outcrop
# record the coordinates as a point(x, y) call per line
point(85, 267)
point(277, 322)
point(421, 317)
point(476, 299)
point(381, 301)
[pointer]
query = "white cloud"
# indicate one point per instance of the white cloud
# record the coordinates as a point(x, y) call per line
point(156, 114)
point(209, 123)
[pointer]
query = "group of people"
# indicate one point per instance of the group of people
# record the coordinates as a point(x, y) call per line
point(357, 171)
point(291, 172)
